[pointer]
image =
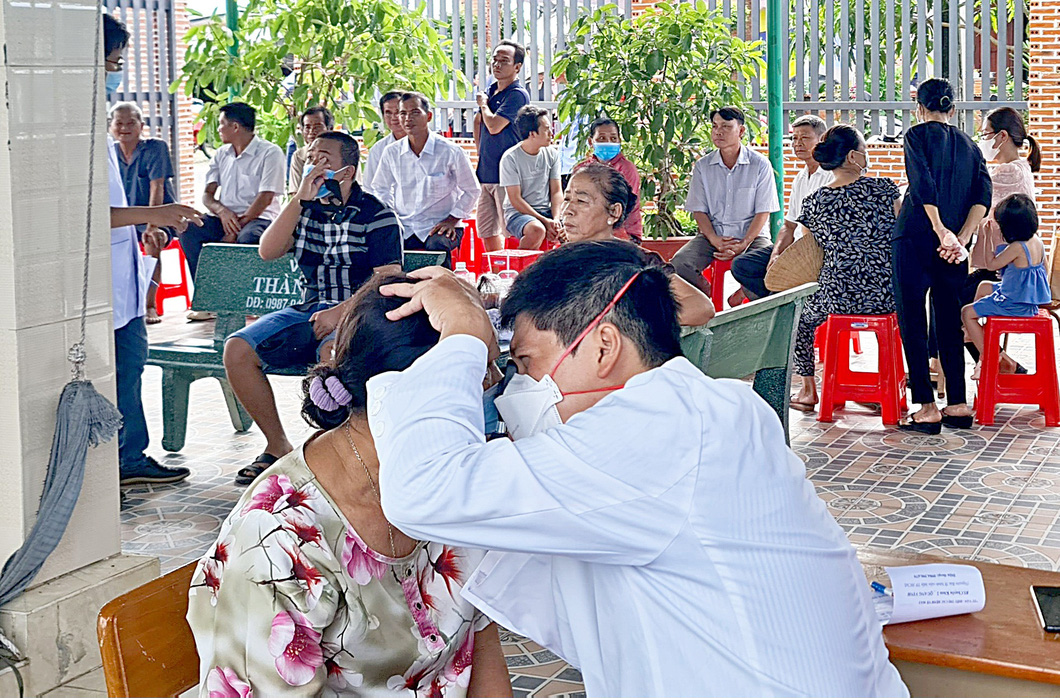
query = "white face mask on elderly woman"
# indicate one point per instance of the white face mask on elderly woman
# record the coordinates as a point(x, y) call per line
point(529, 406)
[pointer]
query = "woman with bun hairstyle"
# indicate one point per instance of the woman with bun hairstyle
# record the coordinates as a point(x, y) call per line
point(309, 590)
point(949, 193)
point(852, 219)
point(596, 202)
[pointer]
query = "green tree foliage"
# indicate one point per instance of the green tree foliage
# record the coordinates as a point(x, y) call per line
point(294, 54)
point(658, 76)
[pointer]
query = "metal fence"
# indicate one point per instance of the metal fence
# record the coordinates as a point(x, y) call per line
point(857, 61)
point(150, 66)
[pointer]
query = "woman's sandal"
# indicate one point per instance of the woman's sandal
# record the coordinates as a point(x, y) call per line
point(802, 406)
point(929, 428)
point(248, 474)
point(958, 421)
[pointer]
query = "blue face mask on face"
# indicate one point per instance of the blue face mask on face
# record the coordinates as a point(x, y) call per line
point(607, 151)
point(328, 174)
point(114, 81)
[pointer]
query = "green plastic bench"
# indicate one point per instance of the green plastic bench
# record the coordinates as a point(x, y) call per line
point(753, 339)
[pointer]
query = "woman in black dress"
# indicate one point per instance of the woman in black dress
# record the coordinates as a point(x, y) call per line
point(949, 193)
point(852, 219)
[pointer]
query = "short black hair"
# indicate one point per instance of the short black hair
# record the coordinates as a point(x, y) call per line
point(935, 95)
point(115, 35)
point(519, 51)
point(528, 120)
point(729, 114)
point(613, 187)
point(351, 149)
point(815, 122)
point(329, 119)
point(393, 94)
point(836, 144)
point(601, 122)
point(241, 113)
point(1017, 218)
point(424, 102)
point(566, 288)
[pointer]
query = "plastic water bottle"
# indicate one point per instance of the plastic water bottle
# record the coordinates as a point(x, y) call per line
point(464, 274)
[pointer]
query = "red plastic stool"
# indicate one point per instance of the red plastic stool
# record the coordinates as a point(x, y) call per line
point(178, 290)
point(471, 250)
point(886, 385)
point(1038, 388)
point(818, 342)
point(715, 274)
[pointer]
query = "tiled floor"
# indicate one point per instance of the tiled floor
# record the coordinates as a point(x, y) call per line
point(989, 493)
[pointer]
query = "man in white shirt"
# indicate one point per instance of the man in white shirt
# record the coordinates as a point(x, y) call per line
point(648, 524)
point(427, 180)
point(389, 106)
point(529, 174)
point(248, 171)
point(129, 284)
point(314, 121)
point(750, 268)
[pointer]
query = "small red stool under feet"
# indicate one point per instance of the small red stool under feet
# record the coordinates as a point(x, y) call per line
point(1038, 388)
point(178, 290)
point(839, 383)
point(715, 274)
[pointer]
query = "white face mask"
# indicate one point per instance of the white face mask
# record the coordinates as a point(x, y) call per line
point(528, 407)
point(989, 146)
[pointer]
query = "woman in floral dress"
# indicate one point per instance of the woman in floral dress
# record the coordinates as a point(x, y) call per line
point(851, 219)
point(309, 591)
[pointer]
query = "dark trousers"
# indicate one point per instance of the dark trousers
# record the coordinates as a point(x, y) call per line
point(971, 285)
point(750, 270)
point(130, 356)
point(918, 269)
point(436, 243)
point(192, 239)
point(698, 254)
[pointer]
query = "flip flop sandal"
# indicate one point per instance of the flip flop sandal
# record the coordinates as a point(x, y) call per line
point(929, 428)
point(248, 474)
point(802, 406)
point(962, 421)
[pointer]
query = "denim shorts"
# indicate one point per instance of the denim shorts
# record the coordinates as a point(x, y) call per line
point(517, 221)
point(285, 339)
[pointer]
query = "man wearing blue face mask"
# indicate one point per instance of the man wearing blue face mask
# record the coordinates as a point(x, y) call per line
point(340, 236)
point(648, 524)
point(605, 141)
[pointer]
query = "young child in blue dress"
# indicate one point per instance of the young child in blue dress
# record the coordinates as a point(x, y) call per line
point(1024, 284)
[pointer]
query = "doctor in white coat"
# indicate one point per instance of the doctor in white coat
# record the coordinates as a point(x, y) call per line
point(647, 523)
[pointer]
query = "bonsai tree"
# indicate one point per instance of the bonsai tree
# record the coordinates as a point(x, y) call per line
point(293, 54)
point(658, 76)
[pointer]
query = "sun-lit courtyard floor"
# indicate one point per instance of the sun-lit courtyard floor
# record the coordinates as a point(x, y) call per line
point(989, 493)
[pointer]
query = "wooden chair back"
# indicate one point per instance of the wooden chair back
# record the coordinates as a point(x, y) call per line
point(145, 640)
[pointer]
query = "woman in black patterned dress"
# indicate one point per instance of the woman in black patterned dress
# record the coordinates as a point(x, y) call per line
point(851, 219)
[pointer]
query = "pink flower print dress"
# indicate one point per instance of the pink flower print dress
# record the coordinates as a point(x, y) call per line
point(291, 602)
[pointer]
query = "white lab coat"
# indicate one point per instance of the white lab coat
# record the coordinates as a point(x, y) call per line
point(665, 541)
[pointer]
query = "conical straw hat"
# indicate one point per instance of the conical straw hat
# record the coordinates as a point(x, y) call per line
point(799, 264)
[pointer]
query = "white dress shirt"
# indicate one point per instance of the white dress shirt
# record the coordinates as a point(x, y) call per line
point(128, 277)
point(375, 154)
point(664, 541)
point(804, 185)
point(423, 190)
point(260, 167)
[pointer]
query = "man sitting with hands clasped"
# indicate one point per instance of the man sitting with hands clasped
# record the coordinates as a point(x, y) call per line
point(648, 523)
point(340, 236)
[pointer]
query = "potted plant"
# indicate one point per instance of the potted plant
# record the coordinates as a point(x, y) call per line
point(658, 75)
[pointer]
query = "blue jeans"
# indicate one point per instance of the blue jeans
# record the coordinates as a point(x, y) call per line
point(285, 339)
point(130, 356)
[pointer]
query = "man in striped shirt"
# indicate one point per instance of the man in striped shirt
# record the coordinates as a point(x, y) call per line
point(340, 235)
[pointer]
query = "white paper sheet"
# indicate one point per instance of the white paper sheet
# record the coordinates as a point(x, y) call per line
point(931, 591)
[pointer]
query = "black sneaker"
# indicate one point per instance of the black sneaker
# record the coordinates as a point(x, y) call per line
point(151, 472)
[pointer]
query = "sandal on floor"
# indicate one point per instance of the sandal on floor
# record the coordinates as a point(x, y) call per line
point(929, 428)
point(802, 406)
point(958, 421)
point(248, 474)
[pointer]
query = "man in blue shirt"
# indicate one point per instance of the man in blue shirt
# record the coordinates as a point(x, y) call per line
point(495, 133)
point(731, 196)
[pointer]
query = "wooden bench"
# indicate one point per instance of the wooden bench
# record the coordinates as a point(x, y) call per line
point(753, 339)
point(999, 651)
point(232, 281)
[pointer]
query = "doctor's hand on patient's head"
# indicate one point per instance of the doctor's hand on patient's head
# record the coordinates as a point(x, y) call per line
point(452, 306)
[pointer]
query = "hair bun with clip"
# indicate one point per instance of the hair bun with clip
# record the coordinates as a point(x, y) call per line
point(329, 394)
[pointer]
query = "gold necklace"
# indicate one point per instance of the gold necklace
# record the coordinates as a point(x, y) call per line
point(371, 481)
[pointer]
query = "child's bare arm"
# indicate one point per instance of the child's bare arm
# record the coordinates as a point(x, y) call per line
point(1009, 255)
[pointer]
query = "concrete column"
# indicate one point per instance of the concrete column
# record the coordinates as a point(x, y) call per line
point(45, 132)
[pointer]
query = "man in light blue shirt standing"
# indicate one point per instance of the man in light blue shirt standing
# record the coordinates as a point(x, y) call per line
point(731, 196)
